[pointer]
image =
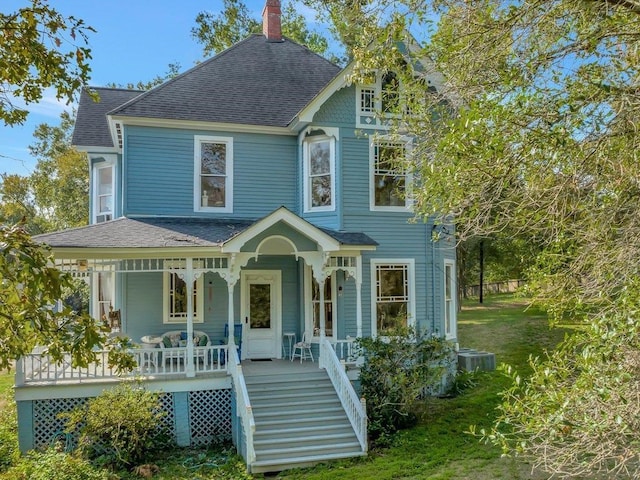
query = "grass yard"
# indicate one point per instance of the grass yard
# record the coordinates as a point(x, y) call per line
point(439, 447)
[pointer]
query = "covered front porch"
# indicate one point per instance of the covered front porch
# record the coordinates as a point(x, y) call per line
point(180, 286)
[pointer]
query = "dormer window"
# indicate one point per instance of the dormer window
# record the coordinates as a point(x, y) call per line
point(103, 188)
point(213, 179)
point(319, 172)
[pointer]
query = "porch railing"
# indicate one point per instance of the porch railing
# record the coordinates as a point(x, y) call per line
point(346, 350)
point(39, 367)
point(355, 408)
point(243, 405)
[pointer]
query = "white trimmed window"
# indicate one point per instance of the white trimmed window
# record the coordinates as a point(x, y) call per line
point(103, 189)
point(450, 307)
point(377, 99)
point(390, 183)
point(319, 173)
point(103, 293)
point(213, 180)
point(175, 299)
point(393, 295)
point(313, 304)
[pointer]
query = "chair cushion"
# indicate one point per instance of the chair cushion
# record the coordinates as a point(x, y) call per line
point(166, 341)
point(183, 335)
point(202, 342)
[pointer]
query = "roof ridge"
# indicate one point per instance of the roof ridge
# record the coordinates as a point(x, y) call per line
point(174, 79)
point(118, 89)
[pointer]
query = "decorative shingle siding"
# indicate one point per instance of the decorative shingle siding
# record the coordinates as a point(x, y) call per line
point(339, 110)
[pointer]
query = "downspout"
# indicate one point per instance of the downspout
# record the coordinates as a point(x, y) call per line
point(433, 280)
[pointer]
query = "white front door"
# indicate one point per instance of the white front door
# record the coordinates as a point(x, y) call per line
point(261, 314)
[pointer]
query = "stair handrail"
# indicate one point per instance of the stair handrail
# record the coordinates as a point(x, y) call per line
point(243, 404)
point(355, 408)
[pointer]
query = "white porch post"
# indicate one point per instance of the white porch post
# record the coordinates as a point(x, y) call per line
point(231, 340)
point(189, 278)
point(321, 286)
point(358, 296)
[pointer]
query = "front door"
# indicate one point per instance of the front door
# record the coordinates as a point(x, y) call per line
point(261, 312)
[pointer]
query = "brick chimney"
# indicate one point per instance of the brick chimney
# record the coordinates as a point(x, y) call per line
point(271, 27)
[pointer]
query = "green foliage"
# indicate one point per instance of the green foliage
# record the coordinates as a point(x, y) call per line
point(32, 57)
point(54, 465)
point(537, 109)
point(9, 452)
point(54, 196)
point(30, 287)
point(217, 32)
point(398, 371)
point(120, 427)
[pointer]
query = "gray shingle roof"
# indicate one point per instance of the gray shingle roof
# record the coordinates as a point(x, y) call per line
point(166, 232)
point(91, 129)
point(254, 82)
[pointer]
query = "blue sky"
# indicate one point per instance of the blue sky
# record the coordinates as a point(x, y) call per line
point(135, 40)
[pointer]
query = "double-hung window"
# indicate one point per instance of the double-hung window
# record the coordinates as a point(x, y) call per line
point(393, 295)
point(377, 100)
point(319, 172)
point(390, 182)
point(450, 309)
point(213, 180)
point(175, 299)
point(103, 189)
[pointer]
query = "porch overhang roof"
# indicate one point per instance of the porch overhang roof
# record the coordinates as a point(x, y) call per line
point(181, 236)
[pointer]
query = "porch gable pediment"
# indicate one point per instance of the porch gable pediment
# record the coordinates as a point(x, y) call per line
point(283, 223)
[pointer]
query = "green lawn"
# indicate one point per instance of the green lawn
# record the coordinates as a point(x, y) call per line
point(439, 447)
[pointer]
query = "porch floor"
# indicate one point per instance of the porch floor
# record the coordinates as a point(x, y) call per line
point(277, 367)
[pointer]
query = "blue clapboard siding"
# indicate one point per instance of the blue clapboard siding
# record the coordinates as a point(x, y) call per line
point(144, 297)
point(159, 172)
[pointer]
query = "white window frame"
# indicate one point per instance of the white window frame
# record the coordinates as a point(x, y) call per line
point(308, 302)
point(308, 193)
point(166, 298)
point(409, 264)
point(404, 143)
point(372, 112)
point(449, 305)
point(96, 302)
point(108, 161)
point(198, 140)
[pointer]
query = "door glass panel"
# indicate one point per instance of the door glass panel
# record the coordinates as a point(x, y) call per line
point(260, 305)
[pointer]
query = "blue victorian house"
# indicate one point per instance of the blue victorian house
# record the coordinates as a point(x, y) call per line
point(243, 213)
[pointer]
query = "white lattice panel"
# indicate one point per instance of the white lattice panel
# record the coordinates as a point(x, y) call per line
point(46, 423)
point(168, 422)
point(209, 416)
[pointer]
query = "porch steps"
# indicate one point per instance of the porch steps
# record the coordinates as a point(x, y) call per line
point(299, 421)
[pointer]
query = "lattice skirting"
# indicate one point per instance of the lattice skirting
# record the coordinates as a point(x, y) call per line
point(208, 416)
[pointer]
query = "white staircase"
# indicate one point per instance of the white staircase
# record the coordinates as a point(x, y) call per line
point(299, 421)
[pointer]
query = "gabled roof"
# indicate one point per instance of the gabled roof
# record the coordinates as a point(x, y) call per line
point(91, 128)
point(254, 82)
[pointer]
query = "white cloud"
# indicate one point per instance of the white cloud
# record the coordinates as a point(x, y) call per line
point(48, 105)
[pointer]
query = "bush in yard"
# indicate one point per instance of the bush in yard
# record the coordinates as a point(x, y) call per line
point(398, 370)
point(9, 452)
point(54, 465)
point(120, 426)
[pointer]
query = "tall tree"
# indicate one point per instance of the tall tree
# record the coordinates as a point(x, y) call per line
point(29, 290)
point(536, 134)
point(40, 49)
point(60, 180)
point(217, 32)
